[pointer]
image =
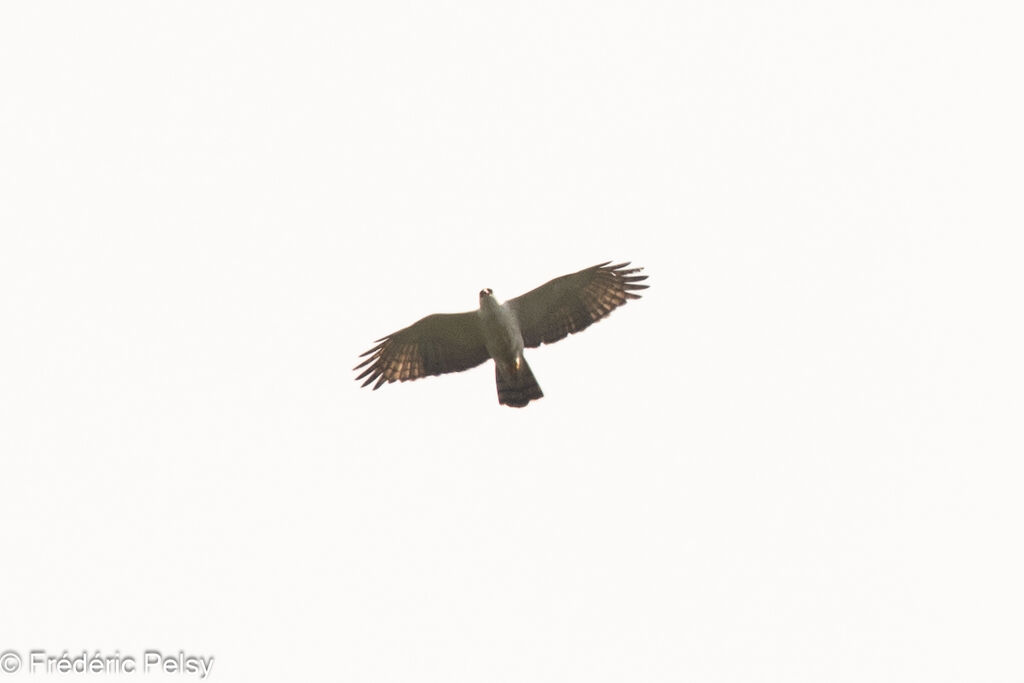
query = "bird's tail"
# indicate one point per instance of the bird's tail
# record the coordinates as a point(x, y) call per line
point(519, 387)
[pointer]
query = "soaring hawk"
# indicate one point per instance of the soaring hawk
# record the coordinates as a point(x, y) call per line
point(452, 342)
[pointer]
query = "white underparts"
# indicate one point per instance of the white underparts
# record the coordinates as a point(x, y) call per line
point(501, 333)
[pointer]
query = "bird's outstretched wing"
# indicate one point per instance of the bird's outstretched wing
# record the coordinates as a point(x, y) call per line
point(439, 343)
point(574, 302)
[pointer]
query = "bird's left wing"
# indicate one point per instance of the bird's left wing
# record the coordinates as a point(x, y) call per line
point(574, 302)
point(439, 343)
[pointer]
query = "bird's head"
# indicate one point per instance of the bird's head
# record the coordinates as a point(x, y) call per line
point(485, 292)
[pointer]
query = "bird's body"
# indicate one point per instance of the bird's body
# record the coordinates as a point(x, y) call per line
point(500, 328)
point(451, 342)
point(504, 343)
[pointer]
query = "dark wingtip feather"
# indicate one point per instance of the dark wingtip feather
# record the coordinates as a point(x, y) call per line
point(365, 372)
point(378, 347)
point(371, 358)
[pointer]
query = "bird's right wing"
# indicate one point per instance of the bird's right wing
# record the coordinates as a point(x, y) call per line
point(574, 302)
point(439, 343)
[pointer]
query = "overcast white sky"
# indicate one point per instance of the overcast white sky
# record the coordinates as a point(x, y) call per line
point(797, 458)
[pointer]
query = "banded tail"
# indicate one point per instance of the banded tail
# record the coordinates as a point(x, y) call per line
point(520, 387)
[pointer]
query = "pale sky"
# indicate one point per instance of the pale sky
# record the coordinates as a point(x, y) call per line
point(797, 458)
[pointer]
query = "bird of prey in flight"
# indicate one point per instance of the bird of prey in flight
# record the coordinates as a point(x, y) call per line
point(452, 342)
